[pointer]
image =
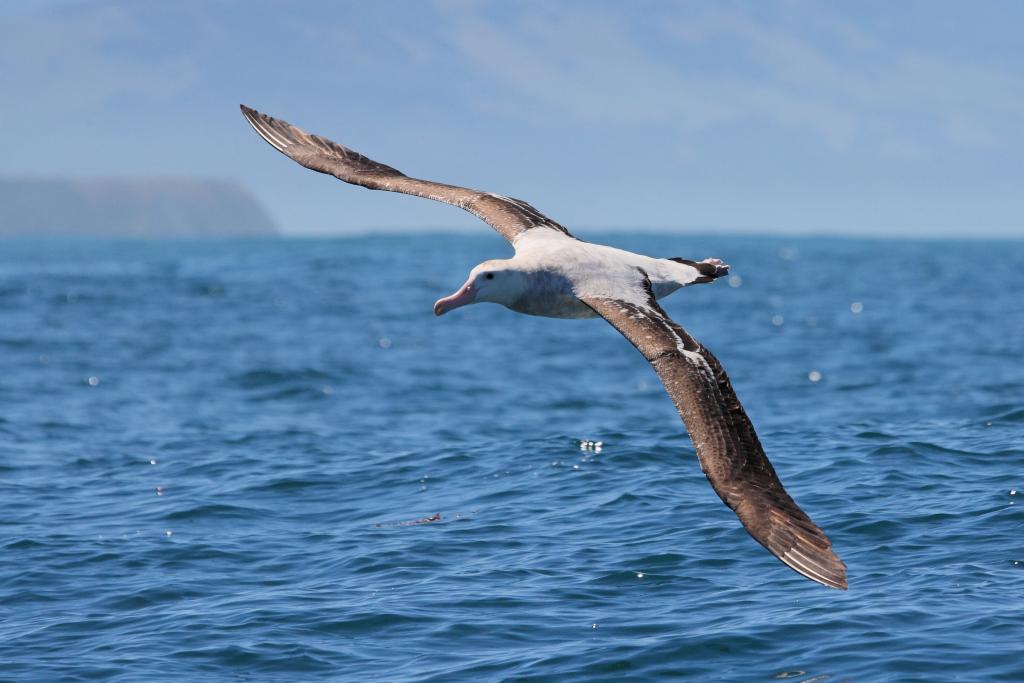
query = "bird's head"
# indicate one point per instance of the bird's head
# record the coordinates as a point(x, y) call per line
point(498, 282)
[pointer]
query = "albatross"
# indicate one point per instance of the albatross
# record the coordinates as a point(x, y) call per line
point(555, 274)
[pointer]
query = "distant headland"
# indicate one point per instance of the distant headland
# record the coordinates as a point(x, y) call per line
point(154, 207)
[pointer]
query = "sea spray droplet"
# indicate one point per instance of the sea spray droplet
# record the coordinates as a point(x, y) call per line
point(777, 320)
point(93, 381)
point(856, 307)
point(814, 376)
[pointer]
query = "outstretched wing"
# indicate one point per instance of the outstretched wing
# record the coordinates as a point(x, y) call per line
point(510, 217)
point(728, 448)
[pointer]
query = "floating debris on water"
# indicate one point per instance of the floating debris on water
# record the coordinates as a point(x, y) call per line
point(436, 517)
point(586, 445)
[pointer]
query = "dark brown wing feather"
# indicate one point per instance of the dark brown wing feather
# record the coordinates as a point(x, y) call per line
point(510, 217)
point(728, 448)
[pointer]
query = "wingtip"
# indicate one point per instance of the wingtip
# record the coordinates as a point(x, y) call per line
point(838, 584)
point(841, 582)
point(836, 580)
point(829, 571)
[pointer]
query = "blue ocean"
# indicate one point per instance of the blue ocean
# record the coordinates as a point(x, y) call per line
point(267, 460)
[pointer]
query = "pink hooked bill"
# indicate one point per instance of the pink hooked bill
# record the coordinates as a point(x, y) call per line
point(465, 295)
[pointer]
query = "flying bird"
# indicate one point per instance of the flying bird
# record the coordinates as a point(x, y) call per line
point(556, 275)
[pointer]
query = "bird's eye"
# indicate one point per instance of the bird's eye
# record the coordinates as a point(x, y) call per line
point(489, 276)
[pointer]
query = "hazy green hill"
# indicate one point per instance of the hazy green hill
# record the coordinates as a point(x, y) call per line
point(137, 208)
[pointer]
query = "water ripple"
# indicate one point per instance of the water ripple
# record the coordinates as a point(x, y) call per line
point(257, 488)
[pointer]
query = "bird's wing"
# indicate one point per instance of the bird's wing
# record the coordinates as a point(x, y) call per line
point(728, 448)
point(510, 217)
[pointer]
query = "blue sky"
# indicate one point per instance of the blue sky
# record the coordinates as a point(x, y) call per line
point(863, 118)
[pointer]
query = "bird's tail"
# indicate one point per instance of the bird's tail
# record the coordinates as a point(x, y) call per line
point(709, 269)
